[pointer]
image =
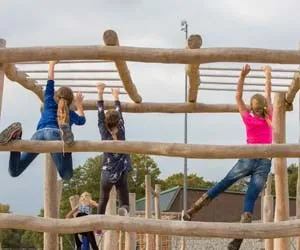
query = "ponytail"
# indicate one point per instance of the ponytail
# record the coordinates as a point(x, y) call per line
point(62, 112)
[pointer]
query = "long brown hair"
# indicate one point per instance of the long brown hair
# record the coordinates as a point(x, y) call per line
point(258, 104)
point(112, 118)
point(64, 97)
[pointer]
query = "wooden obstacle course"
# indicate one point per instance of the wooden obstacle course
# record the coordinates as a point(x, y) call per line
point(193, 56)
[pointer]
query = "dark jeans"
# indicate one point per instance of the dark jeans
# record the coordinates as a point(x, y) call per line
point(89, 235)
point(105, 188)
point(258, 169)
point(19, 162)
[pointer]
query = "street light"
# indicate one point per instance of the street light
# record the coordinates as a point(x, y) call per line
point(184, 27)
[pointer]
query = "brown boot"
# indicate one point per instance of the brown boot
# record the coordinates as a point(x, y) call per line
point(236, 243)
point(200, 203)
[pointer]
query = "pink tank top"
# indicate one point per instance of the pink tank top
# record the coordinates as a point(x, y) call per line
point(257, 129)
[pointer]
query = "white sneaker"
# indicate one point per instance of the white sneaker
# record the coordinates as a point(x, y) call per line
point(122, 211)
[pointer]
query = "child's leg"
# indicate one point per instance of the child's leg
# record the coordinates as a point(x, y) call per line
point(258, 180)
point(105, 188)
point(63, 162)
point(92, 240)
point(77, 241)
point(19, 162)
point(241, 169)
point(123, 193)
point(257, 183)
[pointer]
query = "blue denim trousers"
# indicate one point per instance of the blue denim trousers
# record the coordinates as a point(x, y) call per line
point(18, 162)
point(257, 169)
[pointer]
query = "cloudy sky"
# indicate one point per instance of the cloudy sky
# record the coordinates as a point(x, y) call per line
point(232, 23)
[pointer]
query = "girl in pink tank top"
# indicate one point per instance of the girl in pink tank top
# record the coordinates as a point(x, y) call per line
point(258, 123)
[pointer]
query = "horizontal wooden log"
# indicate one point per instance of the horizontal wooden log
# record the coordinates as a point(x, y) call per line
point(165, 107)
point(156, 148)
point(149, 55)
point(13, 74)
point(142, 225)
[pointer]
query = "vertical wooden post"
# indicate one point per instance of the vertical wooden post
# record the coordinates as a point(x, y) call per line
point(298, 180)
point(157, 214)
point(111, 237)
point(148, 211)
point(50, 201)
point(281, 178)
point(2, 45)
point(268, 210)
point(130, 238)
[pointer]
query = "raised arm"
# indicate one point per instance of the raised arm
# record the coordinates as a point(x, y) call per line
point(93, 203)
point(49, 92)
point(268, 86)
point(239, 92)
point(116, 93)
point(101, 115)
point(78, 117)
point(72, 212)
point(79, 104)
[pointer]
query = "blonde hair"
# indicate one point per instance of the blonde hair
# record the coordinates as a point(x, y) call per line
point(64, 97)
point(258, 104)
point(85, 198)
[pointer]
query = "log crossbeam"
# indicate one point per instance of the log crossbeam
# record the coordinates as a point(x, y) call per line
point(152, 226)
point(198, 151)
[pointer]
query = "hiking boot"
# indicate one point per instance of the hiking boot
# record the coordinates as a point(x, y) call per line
point(123, 211)
point(200, 203)
point(67, 134)
point(236, 243)
point(12, 132)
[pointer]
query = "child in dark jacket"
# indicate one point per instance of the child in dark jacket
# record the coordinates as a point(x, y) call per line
point(55, 124)
point(115, 167)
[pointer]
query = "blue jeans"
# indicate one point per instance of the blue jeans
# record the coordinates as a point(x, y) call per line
point(258, 169)
point(19, 162)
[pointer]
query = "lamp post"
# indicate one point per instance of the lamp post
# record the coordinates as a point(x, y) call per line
point(184, 28)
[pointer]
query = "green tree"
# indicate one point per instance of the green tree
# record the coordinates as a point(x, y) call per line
point(142, 165)
point(193, 181)
point(33, 239)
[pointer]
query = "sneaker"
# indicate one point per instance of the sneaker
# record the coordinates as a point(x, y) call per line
point(12, 132)
point(235, 244)
point(122, 211)
point(186, 217)
point(67, 134)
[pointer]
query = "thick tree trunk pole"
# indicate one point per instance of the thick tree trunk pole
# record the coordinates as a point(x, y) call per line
point(111, 237)
point(130, 238)
point(157, 215)
point(281, 178)
point(2, 45)
point(192, 70)
point(268, 210)
point(110, 38)
point(50, 201)
point(148, 210)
